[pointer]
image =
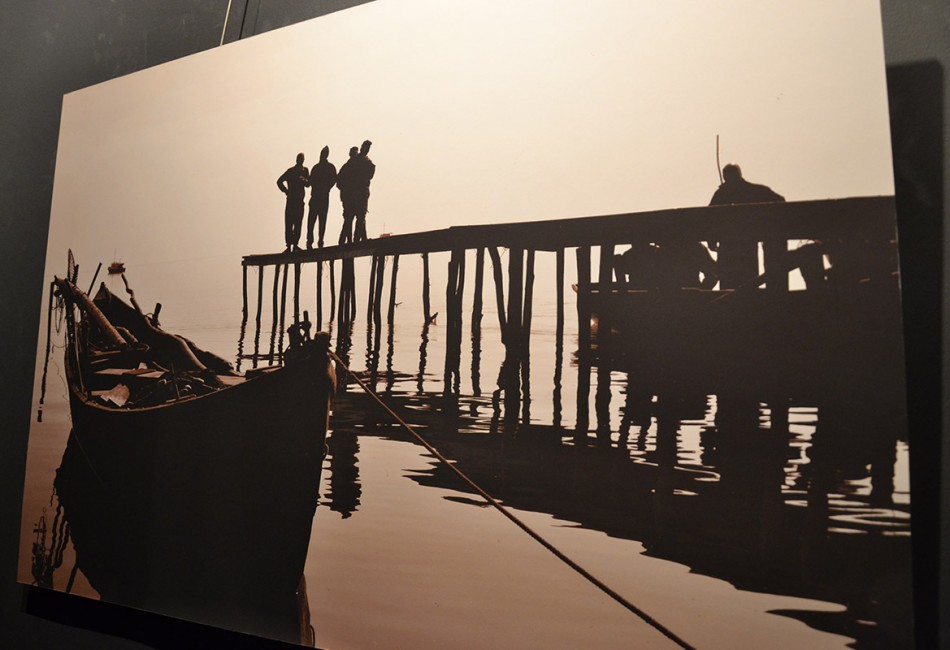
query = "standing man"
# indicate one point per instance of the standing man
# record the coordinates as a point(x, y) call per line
point(322, 179)
point(365, 172)
point(345, 183)
point(292, 183)
point(738, 262)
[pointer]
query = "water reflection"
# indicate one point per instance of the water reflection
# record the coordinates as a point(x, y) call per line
point(345, 490)
point(751, 483)
point(157, 544)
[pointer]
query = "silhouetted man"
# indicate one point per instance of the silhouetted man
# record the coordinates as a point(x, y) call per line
point(322, 180)
point(345, 181)
point(738, 262)
point(365, 170)
point(292, 183)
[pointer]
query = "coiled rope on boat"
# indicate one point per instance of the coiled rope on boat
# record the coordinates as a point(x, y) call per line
point(514, 519)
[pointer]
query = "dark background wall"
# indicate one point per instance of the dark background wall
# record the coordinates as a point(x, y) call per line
point(50, 47)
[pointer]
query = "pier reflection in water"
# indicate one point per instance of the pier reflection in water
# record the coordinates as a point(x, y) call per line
point(777, 479)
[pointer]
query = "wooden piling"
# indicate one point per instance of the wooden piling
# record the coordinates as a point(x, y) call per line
point(427, 314)
point(260, 302)
point(283, 309)
point(583, 343)
point(450, 297)
point(513, 343)
point(244, 293)
point(319, 325)
point(457, 318)
point(377, 297)
point(297, 292)
point(273, 332)
point(351, 272)
point(260, 295)
point(332, 291)
point(477, 321)
point(559, 293)
point(477, 299)
point(583, 300)
point(371, 291)
point(525, 343)
point(390, 316)
point(499, 291)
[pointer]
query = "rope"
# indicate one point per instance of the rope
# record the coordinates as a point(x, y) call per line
point(523, 526)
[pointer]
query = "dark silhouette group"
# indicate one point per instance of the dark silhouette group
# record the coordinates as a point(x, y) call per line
point(353, 180)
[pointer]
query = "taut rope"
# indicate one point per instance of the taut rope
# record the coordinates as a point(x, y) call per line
point(523, 526)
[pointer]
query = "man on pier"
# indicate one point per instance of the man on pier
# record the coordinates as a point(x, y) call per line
point(345, 183)
point(292, 183)
point(322, 180)
point(738, 262)
point(365, 171)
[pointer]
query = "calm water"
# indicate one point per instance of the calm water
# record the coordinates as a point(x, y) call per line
point(735, 510)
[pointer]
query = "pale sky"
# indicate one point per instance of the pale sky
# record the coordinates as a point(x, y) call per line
point(479, 112)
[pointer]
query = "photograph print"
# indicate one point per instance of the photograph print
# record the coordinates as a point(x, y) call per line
point(435, 324)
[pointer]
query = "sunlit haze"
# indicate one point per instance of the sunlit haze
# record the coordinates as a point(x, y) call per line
point(479, 113)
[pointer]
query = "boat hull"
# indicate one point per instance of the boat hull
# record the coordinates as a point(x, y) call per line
point(202, 508)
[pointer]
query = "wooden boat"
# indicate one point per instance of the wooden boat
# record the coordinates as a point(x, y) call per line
point(189, 489)
point(116, 267)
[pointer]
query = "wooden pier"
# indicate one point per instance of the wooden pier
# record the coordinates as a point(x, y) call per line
point(859, 233)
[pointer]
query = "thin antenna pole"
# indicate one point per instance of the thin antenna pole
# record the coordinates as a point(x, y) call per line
point(718, 165)
point(225, 28)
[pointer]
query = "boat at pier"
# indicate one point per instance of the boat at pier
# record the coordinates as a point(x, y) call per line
point(190, 489)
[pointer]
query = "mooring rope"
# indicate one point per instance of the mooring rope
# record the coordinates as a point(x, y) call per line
point(523, 526)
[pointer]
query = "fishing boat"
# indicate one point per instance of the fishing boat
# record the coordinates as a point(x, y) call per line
point(116, 267)
point(190, 489)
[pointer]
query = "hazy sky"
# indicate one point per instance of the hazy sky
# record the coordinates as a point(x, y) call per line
point(479, 112)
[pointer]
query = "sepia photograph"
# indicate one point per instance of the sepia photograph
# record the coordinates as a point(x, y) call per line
point(513, 324)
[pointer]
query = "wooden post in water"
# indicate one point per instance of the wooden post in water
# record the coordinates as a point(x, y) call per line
point(605, 277)
point(513, 344)
point(559, 335)
point(559, 293)
point(260, 300)
point(602, 394)
point(525, 353)
point(283, 309)
point(477, 299)
point(244, 293)
point(297, 292)
point(332, 291)
point(477, 321)
point(499, 292)
point(273, 332)
point(583, 343)
point(351, 272)
point(371, 291)
point(457, 318)
point(377, 297)
point(583, 300)
point(392, 291)
point(450, 296)
point(319, 325)
point(427, 314)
